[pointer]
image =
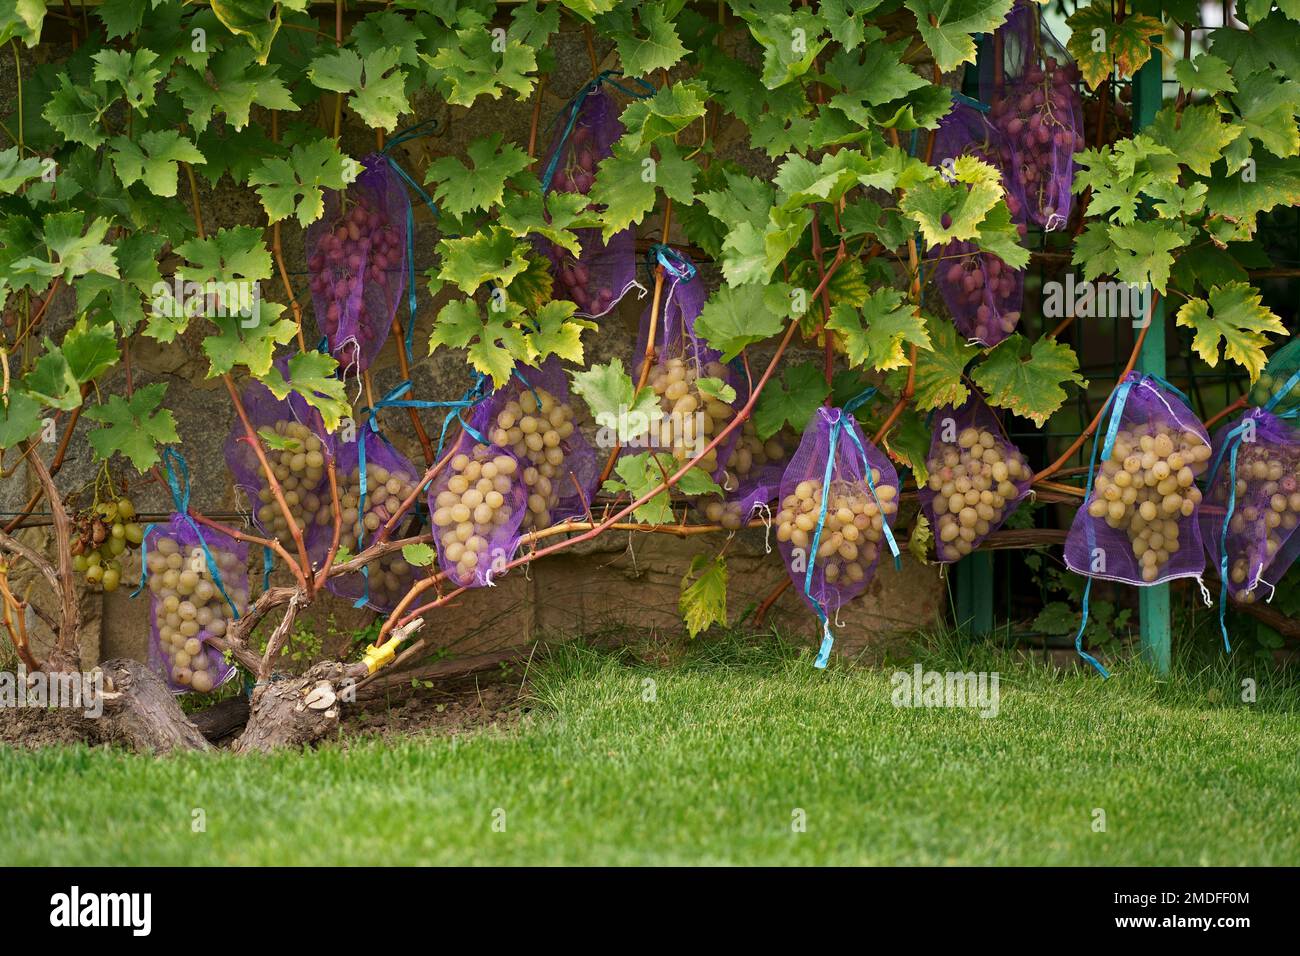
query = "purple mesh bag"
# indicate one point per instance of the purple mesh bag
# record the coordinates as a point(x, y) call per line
point(858, 514)
point(187, 606)
point(688, 418)
point(1139, 522)
point(390, 480)
point(1030, 83)
point(977, 478)
point(751, 478)
point(603, 272)
point(477, 505)
point(560, 469)
point(297, 446)
point(357, 263)
point(1261, 512)
point(981, 291)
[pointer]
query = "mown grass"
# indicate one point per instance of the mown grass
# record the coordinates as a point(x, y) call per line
point(739, 737)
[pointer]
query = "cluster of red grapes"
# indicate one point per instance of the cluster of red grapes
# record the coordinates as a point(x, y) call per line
point(983, 290)
point(361, 248)
point(1038, 113)
point(575, 173)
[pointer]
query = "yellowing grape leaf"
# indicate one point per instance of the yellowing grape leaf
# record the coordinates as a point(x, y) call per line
point(1100, 45)
point(1234, 316)
point(947, 210)
point(874, 337)
point(939, 370)
point(703, 601)
point(1028, 379)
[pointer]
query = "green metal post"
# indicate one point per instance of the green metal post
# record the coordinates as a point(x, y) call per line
point(1153, 602)
point(975, 592)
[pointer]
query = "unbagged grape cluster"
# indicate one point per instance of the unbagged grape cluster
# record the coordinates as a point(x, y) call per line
point(1037, 115)
point(750, 454)
point(1268, 501)
point(299, 467)
point(575, 173)
point(850, 539)
point(535, 433)
point(475, 503)
point(385, 491)
point(1147, 485)
point(974, 479)
point(100, 537)
point(361, 248)
point(1269, 385)
point(189, 608)
point(690, 418)
point(984, 288)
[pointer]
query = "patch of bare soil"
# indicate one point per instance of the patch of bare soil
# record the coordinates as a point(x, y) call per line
point(451, 708)
point(33, 727)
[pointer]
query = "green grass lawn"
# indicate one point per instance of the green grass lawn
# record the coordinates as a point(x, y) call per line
point(740, 736)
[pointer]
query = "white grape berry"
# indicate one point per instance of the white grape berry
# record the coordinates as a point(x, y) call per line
point(974, 480)
point(386, 491)
point(1265, 513)
point(534, 426)
point(477, 500)
point(750, 454)
point(299, 468)
point(1147, 486)
point(854, 526)
point(690, 418)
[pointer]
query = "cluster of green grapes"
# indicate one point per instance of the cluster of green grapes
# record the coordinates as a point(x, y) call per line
point(1268, 495)
point(1268, 385)
point(689, 415)
point(850, 539)
point(101, 537)
point(385, 491)
point(973, 480)
point(1147, 485)
point(533, 426)
point(299, 467)
point(750, 454)
point(474, 503)
point(189, 608)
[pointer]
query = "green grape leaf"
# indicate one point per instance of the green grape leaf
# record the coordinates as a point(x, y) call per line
point(791, 43)
point(480, 185)
point(235, 85)
point(801, 182)
point(133, 72)
point(790, 401)
point(1142, 251)
point(946, 26)
point(703, 601)
point(716, 388)
point(998, 236)
point(625, 186)
point(133, 427)
point(1269, 105)
point(293, 186)
point(313, 376)
point(844, 20)
point(493, 345)
point(974, 190)
point(249, 342)
point(652, 45)
point(471, 67)
point(553, 217)
point(1204, 73)
point(557, 332)
point(874, 338)
point(908, 442)
point(418, 555)
point(20, 418)
point(736, 317)
point(138, 258)
point(877, 76)
point(1234, 316)
point(74, 252)
point(257, 21)
point(51, 380)
point(1028, 379)
point(1197, 138)
point(153, 159)
point(675, 107)
point(492, 255)
point(228, 255)
point(939, 370)
point(376, 86)
point(75, 111)
point(1101, 45)
point(615, 404)
point(638, 475)
point(22, 19)
point(90, 350)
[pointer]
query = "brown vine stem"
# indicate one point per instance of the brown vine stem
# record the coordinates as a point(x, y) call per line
point(761, 614)
point(338, 41)
point(194, 198)
point(16, 623)
point(244, 536)
point(301, 570)
point(337, 513)
point(537, 116)
point(63, 655)
point(1057, 465)
point(400, 616)
point(403, 366)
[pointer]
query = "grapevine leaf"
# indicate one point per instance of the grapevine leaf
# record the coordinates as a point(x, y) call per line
point(1028, 379)
point(553, 218)
point(15, 171)
point(236, 84)
point(492, 255)
point(1197, 138)
point(922, 536)
point(153, 159)
point(703, 600)
point(791, 401)
point(791, 43)
point(418, 555)
point(638, 475)
point(1142, 252)
point(844, 20)
point(801, 182)
point(675, 107)
point(294, 186)
point(939, 370)
point(876, 77)
point(654, 45)
point(1234, 316)
point(133, 427)
point(1124, 45)
point(138, 256)
point(493, 345)
point(52, 381)
point(1206, 73)
point(889, 322)
point(625, 186)
point(611, 396)
point(22, 19)
point(257, 21)
point(314, 376)
point(75, 111)
point(133, 72)
point(20, 418)
point(249, 342)
point(998, 236)
point(74, 252)
point(482, 184)
point(1269, 106)
point(557, 332)
point(974, 190)
point(90, 350)
point(736, 317)
point(946, 26)
point(716, 388)
point(909, 442)
point(471, 67)
point(227, 256)
point(377, 95)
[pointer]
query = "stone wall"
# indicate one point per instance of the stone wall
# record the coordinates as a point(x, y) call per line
point(624, 580)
